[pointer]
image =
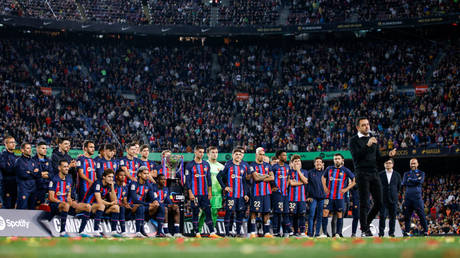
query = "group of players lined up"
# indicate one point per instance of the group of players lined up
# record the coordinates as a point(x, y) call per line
point(135, 188)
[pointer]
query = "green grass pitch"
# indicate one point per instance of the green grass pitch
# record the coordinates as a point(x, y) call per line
point(233, 248)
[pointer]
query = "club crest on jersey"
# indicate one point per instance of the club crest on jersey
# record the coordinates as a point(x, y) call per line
point(197, 175)
point(46, 163)
point(233, 176)
point(341, 173)
point(205, 169)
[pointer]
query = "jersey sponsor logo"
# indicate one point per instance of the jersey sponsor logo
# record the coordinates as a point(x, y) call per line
point(78, 163)
point(98, 187)
point(51, 184)
point(133, 187)
point(2, 223)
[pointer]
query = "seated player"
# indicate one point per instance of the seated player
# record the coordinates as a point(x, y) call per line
point(60, 198)
point(142, 200)
point(121, 191)
point(101, 196)
point(163, 197)
point(297, 201)
point(335, 183)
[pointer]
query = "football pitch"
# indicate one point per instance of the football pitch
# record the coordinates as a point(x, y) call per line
point(234, 248)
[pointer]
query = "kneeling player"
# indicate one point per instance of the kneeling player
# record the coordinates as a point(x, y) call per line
point(261, 175)
point(142, 200)
point(101, 196)
point(297, 202)
point(60, 197)
point(121, 191)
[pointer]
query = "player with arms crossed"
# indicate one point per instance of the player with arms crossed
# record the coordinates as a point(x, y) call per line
point(261, 175)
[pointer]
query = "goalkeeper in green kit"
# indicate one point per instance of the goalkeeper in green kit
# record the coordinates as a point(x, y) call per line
point(216, 201)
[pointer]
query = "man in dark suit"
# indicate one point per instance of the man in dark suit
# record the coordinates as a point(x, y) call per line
point(365, 153)
point(391, 184)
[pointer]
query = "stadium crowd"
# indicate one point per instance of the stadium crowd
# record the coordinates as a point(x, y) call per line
point(165, 83)
point(237, 13)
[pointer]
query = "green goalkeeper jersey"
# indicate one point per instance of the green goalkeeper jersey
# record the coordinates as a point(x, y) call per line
point(216, 201)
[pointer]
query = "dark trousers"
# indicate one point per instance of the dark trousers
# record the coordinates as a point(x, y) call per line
point(388, 210)
point(368, 184)
point(10, 192)
point(411, 205)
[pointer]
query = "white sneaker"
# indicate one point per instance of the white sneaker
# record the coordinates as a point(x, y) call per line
point(178, 235)
point(322, 236)
point(287, 235)
point(303, 235)
point(139, 235)
point(125, 234)
point(168, 235)
point(63, 234)
point(97, 234)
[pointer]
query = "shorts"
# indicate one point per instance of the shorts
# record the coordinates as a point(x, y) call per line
point(334, 205)
point(201, 202)
point(298, 207)
point(235, 204)
point(280, 203)
point(261, 204)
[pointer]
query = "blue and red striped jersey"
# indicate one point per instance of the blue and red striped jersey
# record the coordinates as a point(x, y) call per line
point(132, 165)
point(140, 193)
point(96, 187)
point(336, 180)
point(60, 187)
point(234, 176)
point(103, 164)
point(260, 188)
point(89, 170)
point(162, 195)
point(198, 177)
point(151, 165)
point(297, 193)
point(121, 191)
point(281, 174)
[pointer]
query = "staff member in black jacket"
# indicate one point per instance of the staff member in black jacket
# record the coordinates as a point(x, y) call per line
point(365, 153)
point(391, 184)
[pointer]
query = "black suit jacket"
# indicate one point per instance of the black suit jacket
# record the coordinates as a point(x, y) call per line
point(390, 190)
